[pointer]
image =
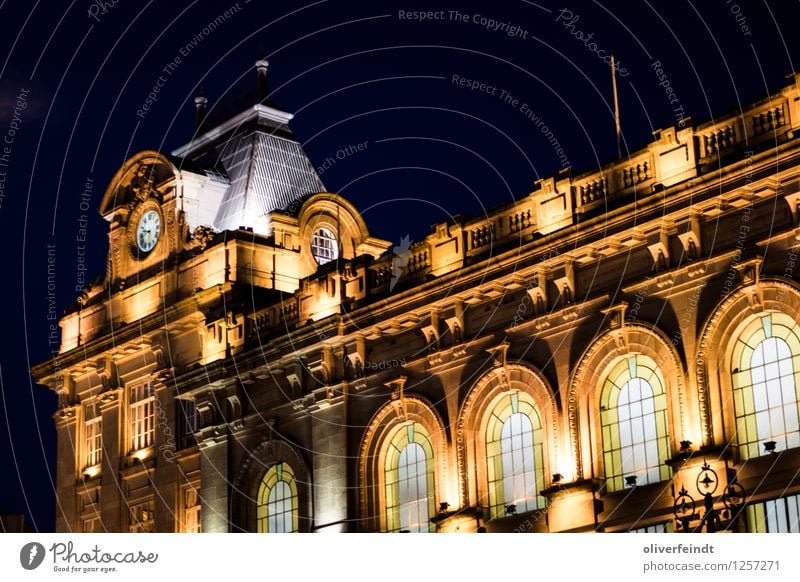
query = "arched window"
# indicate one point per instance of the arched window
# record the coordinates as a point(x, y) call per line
point(409, 481)
point(765, 367)
point(277, 501)
point(633, 415)
point(324, 246)
point(514, 456)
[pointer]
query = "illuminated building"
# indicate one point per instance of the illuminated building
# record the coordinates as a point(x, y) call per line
point(255, 359)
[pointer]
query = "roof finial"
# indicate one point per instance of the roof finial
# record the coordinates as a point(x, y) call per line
point(261, 67)
point(200, 103)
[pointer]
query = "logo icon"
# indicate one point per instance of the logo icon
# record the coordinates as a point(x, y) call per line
point(402, 255)
point(31, 555)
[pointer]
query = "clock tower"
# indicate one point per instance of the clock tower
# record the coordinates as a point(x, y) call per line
point(145, 221)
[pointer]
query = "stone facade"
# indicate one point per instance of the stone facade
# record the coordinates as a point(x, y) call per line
point(254, 354)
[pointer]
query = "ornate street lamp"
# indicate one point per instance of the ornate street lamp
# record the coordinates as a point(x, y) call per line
point(685, 506)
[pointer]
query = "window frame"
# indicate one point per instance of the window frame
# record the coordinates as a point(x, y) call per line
point(280, 472)
point(93, 435)
point(512, 403)
point(758, 515)
point(141, 416)
point(324, 245)
point(745, 411)
point(137, 525)
point(615, 470)
point(407, 434)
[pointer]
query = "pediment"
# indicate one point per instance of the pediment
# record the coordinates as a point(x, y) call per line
point(142, 176)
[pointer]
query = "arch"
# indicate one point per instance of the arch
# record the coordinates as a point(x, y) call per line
point(635, 437)
point(592, 370)
point(119, 191)
point(715, 349)
point(248, 482)
point(277, 504)
point(334, 213)
point(474, 417)
point(375, 445)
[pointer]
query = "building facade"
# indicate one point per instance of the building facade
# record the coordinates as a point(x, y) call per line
point(618, 350)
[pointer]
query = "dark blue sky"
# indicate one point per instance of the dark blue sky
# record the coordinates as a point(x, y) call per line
point(354, 74)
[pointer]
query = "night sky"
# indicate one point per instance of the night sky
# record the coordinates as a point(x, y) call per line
point(448, 110)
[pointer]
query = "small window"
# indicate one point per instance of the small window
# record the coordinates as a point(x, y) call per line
point(94, 435)
point(191, 510)
point(142, 416)
point(92, 525)
point(142, 517)
point(324, 246)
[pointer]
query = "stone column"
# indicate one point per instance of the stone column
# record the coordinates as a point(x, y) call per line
point(214, 480)
point(166, 472)
point(114, 449)
point(329, 457)
point(66, 470)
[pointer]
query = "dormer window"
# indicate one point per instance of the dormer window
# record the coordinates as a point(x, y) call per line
point(324, 246)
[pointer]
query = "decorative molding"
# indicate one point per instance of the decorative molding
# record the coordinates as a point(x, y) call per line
point(609, 343)
point(398, 399)
point(477, 397)
point(386, 418)
point(750, 275)
point(710, 327)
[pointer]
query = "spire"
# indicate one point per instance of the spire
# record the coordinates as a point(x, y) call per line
point(200, 103)
point(261, 67)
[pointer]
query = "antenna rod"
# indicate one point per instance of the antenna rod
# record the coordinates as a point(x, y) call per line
point(616, 107)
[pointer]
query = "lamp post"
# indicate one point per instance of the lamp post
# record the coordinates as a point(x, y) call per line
point(685, 506)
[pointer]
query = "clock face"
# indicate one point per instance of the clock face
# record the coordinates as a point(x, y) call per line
point(148, 230)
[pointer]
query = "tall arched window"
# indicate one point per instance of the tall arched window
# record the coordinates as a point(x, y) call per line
point(765, 367)
point(633, 415)
point(514, 456)
point(409, 481)
point(277, 501)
